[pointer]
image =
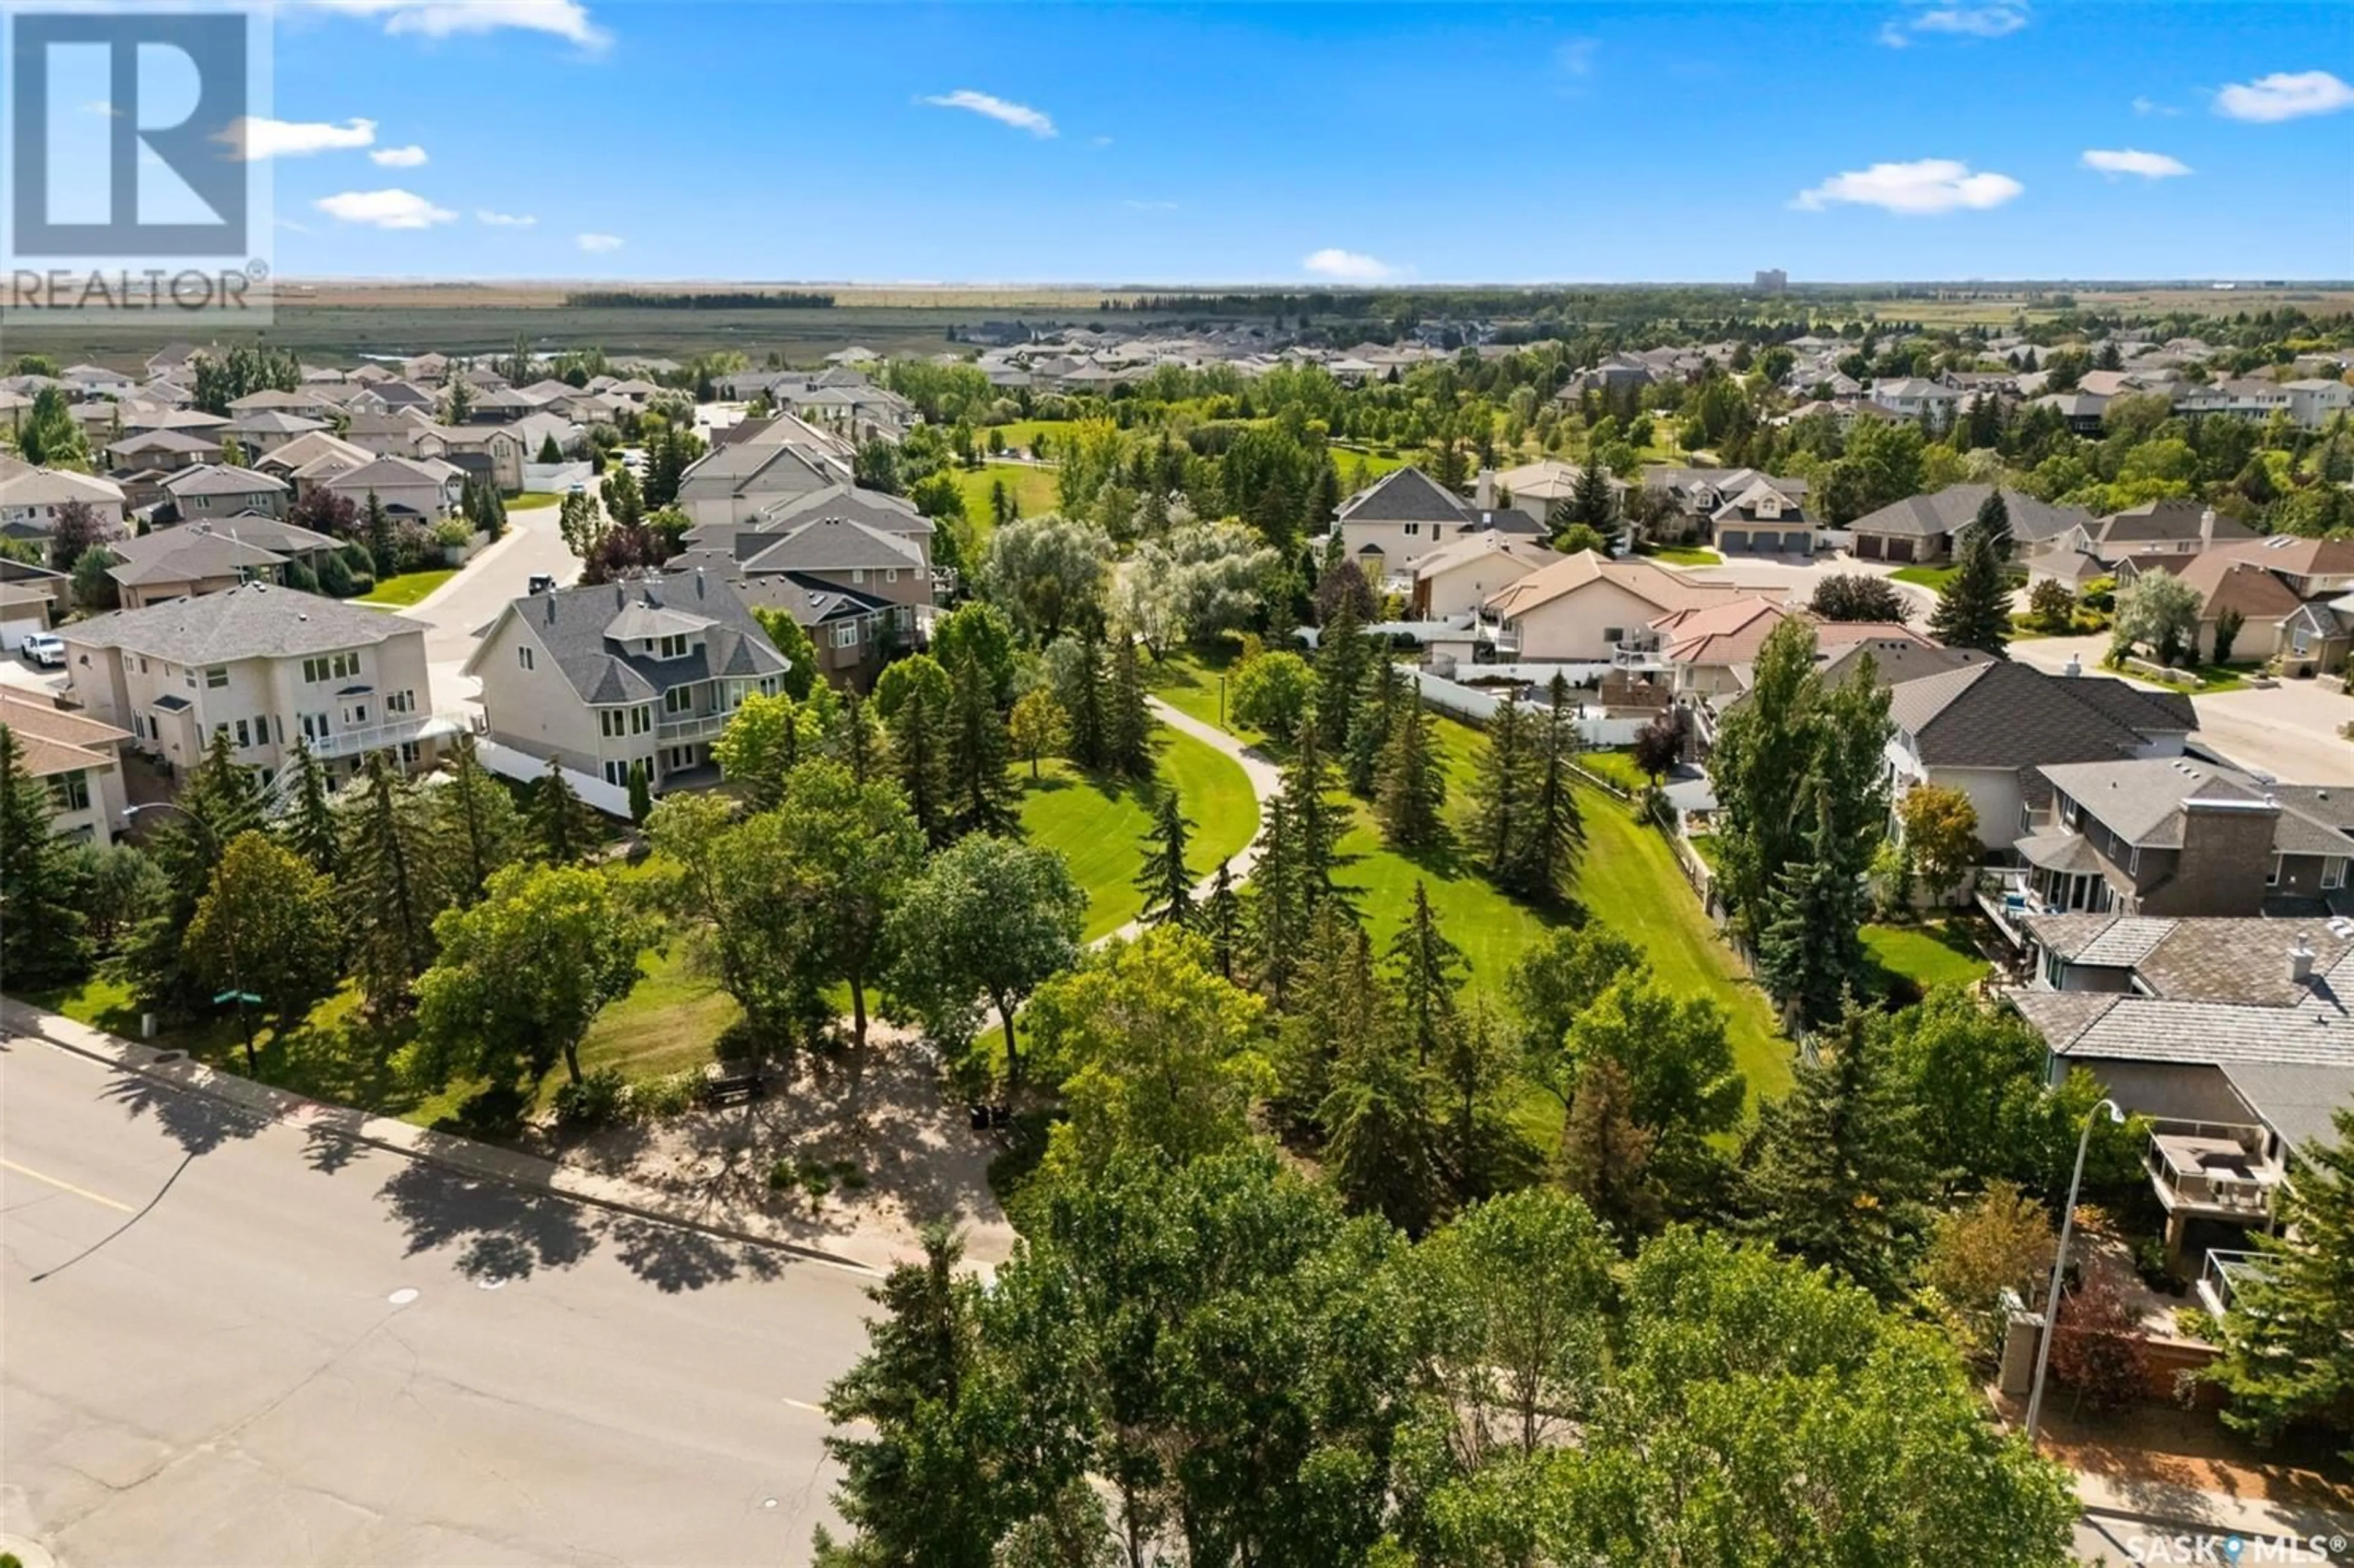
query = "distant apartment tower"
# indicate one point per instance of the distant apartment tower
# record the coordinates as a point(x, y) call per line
point(1775, 282)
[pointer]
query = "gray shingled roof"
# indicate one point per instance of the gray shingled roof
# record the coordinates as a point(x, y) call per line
point(574, 624)
point(252, 621)
point(829, 545)
point(2143, 800)
point(1956, 507)
point(1407, 495)
point(220, 479)
point(2298, 1102)
point(2004, 715)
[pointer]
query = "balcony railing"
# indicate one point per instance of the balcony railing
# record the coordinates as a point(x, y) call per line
point(2222, 1274)
point(690, 726)
point(396, 731)
point(1637, 652)
point(2219, 1169)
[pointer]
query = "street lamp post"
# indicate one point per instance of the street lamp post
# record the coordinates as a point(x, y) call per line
point(237, 990)
point(2060, 1262)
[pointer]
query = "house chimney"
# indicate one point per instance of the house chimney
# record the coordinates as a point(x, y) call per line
point(2073, 668)
point(2300, 962)
point(550, 598)
point(698, 582)
point(620, 596)
point(2206, 527)
point(1483, 493)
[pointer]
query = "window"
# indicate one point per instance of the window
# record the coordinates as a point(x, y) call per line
point(891, 574)
point(216, 677)
point(679, 700)
point(617, 772)
point(672, 648)
point(858, 576)
point(846, 634)
point(70, 791)
point(2271, 872)
point(610, 724)
point(2333, 873)
point(523, 657)
point(1613, 634)
point(1412, 530)
point(402, 701)
point(679, 757)
point(642, 719)
point(244, 736)
point(327, 667)
point(410, 755)
point(261, 730)
point(314, 725)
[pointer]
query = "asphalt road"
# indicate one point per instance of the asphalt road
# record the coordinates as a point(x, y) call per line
point(225, 1343)
point(473, 599)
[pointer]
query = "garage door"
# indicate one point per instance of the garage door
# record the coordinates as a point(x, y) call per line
point(1733, 538)
point(1867, 546)
point(13, 632)
point(1900, 549)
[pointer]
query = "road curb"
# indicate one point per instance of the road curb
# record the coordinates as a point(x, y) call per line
point(352, 1126)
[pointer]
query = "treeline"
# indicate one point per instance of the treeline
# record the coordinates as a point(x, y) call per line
point(682, 300)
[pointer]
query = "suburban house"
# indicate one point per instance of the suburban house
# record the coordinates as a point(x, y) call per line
point(78, 757)
point(161, 450)
point(785, 457)
point(215, 490)
point(31, 598)
point(1533, 488)
point(420, 489)
point(1588, 609)
point(31, 497)
point(1405, 514)
point(1989, 729)
point(2245, 397)
point(1764, 516)
point(267, 665)
point(2290, 597)
point(2159, 528)
point(642, 673)
point(1925, 528)
point(2313, 403)
point(200, 557)
point(2181, 836)
point(1709, 651)
point(489, 454)
point(1913, 398)
point(1457, 578)
point(853, 630)
point(2230, 1036)
point(308, 403)
point(266, 430)
point(307, 461)
point(1700, 494)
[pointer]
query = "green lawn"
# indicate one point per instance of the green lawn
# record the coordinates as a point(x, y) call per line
point(531, 499)
point(1033, 489)
point(666, 1024)
point(1360, 467)
point(1189, 682)
point(1099, 825)
point(1617, 766)
point(2202, 680)
point(1023, 434)
point(1682, 555)
point(400, 592)
point(1933, 953)
point(1934, 578)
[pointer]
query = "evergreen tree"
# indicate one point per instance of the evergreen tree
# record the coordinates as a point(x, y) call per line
point(387, 886)
point(1993, 520)
point(1501, 790)
point(1593, 503)
point(642, 794)
point(1545, 858)
point(1339, 1000)
point(1343, 653)
point(1766, 747)
point(976, 752)
point(1974, 607)
point(218, 801)
point(1222, 919)
point(308, 825)
point(1279, 909)
point(1164, 880)
point(377, 525)
point(560, 824)
point(1413, 785)
point(1605, 1155)
point(1427, 970)
point(2288, 1343)
point(1839, 1177)
point(1377, 699)
point(1811, 954)
point(1316, 820)
point(1128, 719)
point(919, 746)
point(857, 741)
point(476, 822)
point(44, 935)
point(1380, 1146)
point(549, 452)
point(1090, 721)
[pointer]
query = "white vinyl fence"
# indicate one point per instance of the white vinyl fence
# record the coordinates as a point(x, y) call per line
point(509, 762)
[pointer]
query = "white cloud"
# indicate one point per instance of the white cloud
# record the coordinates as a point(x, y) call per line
point(1961, 21)
point(407, 157)
point(504, 220)
point(1020, 116)
point(567, 19)
point(2285, 95)
point(1346, 265)
point(1101, 140)
point(2125, 161)
point(258, 139)
point(597, 244)
point(1927, 185)
point(2151, 106)
point(385, 210)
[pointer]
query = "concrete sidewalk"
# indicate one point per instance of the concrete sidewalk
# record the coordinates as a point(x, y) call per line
point(465, 1156)
point(2165, 1507)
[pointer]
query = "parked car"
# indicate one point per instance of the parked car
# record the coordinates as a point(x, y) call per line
point(46, 650)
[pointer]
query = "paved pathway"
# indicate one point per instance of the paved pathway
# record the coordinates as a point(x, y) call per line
point(1266, 783)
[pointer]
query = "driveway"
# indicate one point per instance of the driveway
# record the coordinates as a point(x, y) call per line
point(1796, 579)
point(2289, 731)
point(470, 601)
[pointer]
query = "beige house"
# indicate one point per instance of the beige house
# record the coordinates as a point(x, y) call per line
point(80, 759)
point(31, 498)
point(197, 558)
point(492, 453)
point(266, 665)
point(215, 490)
point(1457, 579)
point(643, 674)
point(1404, 515)
point(1589, 608)
point(422, 489)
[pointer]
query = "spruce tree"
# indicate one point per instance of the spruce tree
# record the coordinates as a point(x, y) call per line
point(1379, 1146)
point(857, 741)
point(1593, 503)
point(377, 526)
point(1343, 653)
point(387, 887)
point(1222, 919)
point(642, 793)
point(1810, 953)
point(218, 801)
point(1501, 790)
point(561, 828)
point(1605, 1155)
point(1993, 520)
point(1974, 607)
point(1545, 859)
point(1316, 820)
point(976, 752)
point(1471, 1074)
point(476, 822)
point(1090, 721)
point(1164, 879)
point(920, 748)
point(1278, 906)
point(44, 935)
point(1339, 999)
point(1412, 792)
point(1377, 699)
point(1427, 970)
point(309, 824)
point(1128, 719)
point(1839, 1177)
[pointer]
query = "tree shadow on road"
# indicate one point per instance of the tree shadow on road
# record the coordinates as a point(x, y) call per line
point(502, 1232)
point(198, 1125)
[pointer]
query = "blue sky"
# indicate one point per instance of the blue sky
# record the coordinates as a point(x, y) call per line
point(1351, 143)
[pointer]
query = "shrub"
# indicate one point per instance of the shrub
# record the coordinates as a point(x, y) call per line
point(452, 533)
point(600, 1100)
point(299, 576)
point(335, 578)
point(673, 1094)
point(2096, 1347)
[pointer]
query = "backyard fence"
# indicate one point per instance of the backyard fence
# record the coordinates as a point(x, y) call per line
point(510, 762)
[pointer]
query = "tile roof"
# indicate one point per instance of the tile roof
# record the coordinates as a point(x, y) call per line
point(54, 740)
point(1477, 547)
point(252, 621)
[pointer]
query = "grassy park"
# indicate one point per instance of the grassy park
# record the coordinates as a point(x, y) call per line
point(407, 588)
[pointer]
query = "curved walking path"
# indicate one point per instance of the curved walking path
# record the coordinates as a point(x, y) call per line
point(1266, 783)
